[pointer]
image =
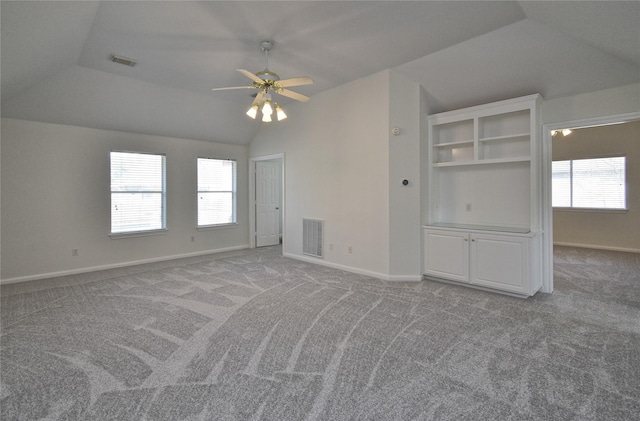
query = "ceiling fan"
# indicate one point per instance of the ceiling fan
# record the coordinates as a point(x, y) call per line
point(267, 81)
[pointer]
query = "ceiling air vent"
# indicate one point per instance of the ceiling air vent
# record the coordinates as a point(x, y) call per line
point(122, 60)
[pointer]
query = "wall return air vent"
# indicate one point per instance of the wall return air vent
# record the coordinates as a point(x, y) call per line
point(122, 60)
point(312, 232)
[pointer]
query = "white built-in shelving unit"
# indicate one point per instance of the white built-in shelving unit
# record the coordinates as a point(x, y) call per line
point(482, 222)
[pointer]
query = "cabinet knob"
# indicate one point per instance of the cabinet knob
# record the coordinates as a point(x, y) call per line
point(473, 239)
point(466, 239)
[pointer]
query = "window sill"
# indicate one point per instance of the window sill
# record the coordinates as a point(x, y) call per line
point(593, 210)
point(216, 227)
point(118, 236)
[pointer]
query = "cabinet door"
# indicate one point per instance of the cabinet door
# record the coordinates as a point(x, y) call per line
point(501, 262)
point(446, 255)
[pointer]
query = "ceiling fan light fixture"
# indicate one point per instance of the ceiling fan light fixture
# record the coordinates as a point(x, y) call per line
point(267, 82)
point(565, 132)
point(280, 113)
point(253, 111)
point(266, 108)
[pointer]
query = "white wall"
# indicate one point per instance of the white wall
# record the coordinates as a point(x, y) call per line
point(344, 165)
point(336, 147)
point(608, 102)
point(404, 163)
point(55, 197)
point(337, 169)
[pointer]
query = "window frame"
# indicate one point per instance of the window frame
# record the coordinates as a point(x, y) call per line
point(234, 194)
point(163, 192)
point(592, 209)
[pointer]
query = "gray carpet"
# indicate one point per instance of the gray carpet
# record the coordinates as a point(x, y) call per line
point(251, 335)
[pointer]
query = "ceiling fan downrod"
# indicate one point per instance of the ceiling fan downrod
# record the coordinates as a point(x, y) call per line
point(266, 47)
point(267, 74)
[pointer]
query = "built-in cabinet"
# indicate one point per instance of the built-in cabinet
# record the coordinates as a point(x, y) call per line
point(482, 215)
point(497, 261)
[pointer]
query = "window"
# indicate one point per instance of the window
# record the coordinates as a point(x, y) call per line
point(589, 183)
point(138, 192)
point(216, 192)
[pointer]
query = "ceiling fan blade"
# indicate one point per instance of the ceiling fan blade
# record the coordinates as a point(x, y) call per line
point(296, 81)
point(293, 95)
point(258, 99)
point(251, 76)
point(233, 87)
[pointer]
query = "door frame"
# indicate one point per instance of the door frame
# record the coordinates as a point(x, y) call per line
point(252, 196)
point(547, 159)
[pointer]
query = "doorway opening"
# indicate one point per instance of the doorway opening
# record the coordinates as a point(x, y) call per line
point(548, 157)
point(267, 212)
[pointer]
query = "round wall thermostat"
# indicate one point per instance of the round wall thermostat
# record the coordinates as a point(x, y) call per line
point(395, 131)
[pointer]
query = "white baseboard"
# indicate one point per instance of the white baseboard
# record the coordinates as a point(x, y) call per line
point(403, 278)
point(117, 265)
point(384, 277)
point(596, 247)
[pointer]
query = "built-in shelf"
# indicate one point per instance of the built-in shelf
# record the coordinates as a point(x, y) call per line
point(505, 137)
point(482, 162)
point(482, 213)
point(457, 142)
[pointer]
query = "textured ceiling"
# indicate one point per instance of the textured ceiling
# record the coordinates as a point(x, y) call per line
point(55, 65)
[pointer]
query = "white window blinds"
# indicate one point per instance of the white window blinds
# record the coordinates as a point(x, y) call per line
point(561, 188)
point(597, 183)
point(138, 192)
point(216, 192)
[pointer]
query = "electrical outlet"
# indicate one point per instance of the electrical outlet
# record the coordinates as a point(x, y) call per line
point(74, 252)
point(330, 246)
point(350, 249)
point(193, 239)
point(468, 207)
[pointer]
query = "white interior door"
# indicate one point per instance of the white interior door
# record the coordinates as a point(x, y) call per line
point(267, 203)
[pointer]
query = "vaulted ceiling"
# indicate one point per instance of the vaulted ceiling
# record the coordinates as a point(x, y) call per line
point(55, 63)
